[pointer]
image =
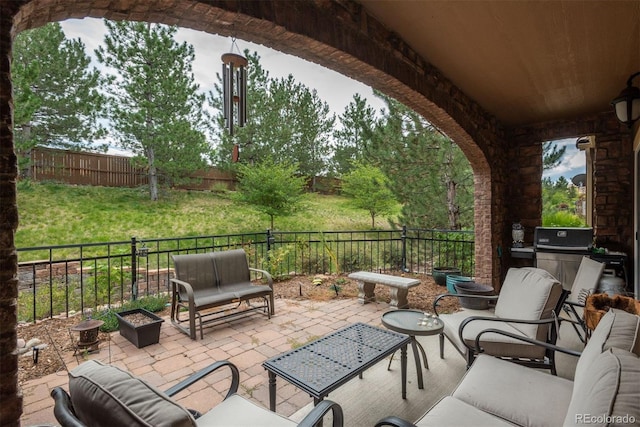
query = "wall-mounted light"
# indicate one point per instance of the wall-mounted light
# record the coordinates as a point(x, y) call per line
point(627, 104)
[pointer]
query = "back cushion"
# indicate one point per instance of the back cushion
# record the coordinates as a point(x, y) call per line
point(232, 267)
point(529, 294)
point(607, 394)
point(617, 329)
point(104, 395)
point(195, 269)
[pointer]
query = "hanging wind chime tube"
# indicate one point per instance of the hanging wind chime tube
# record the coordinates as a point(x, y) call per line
point(234, 89)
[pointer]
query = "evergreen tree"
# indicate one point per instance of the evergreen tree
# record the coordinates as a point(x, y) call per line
point(154, 104)
point(57, 103)
point(356, 128)
point(428, 173)
point(286, 121)
point(551, 155)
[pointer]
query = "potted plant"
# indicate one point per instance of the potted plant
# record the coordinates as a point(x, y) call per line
point(141, 327)
point(440, 274)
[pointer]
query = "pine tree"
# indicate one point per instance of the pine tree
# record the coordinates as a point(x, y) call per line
point(57, 103)
point(154, 103)
point(354, 135)
point(428, 173)
point(286, 121)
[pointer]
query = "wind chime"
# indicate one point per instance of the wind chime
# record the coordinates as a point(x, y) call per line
point(234, 88)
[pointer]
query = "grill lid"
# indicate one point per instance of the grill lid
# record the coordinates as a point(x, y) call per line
point(563, 239)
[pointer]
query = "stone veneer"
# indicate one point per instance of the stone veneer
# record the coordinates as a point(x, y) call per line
point(340, 35)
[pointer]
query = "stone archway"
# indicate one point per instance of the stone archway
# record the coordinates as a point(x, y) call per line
point(337, 35)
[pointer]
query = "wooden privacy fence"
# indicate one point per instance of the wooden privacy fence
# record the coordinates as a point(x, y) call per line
point(82, 168)
point(105, 170)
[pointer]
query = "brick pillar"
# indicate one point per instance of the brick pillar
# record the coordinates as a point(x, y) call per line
point(10, 394)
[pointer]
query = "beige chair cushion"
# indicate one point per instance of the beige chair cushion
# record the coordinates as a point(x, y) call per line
point(529, 294)
point(608, 393)
point(236, 411)
point(494, 344)
point(618, 329)
point(521, 395)
point(104, 395)
point(451, 412)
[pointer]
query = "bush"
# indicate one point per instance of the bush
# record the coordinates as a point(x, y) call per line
point(153, 304)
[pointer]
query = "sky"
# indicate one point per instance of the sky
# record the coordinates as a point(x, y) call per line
point(334, 88)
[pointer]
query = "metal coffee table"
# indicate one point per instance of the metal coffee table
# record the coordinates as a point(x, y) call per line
point(322, 366)
point(410, 322)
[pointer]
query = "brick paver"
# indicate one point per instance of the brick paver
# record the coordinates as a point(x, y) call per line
point(247, 342)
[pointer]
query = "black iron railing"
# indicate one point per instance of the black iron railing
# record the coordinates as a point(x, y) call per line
point(62, 279)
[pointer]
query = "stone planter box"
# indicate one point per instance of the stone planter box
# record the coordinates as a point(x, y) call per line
point(140, 327)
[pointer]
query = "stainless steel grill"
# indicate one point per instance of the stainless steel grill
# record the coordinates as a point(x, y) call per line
point(560, 251)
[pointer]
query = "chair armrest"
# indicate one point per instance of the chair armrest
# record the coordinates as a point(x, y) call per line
point(470, 319)
point(235, 378)
point(319, 411)
point(394, 421)
point(458, 296)
point(547, 345)
point(63, 409)
point(175, 283)
point(265, 274)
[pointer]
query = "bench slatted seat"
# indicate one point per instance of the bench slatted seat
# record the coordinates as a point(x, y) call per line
point(399, 287)
point(209, 280)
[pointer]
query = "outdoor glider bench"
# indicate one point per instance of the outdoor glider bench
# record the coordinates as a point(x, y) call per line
point(399, 287)
point(207, 281)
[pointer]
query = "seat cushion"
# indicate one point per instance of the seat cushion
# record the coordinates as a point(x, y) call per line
point(236, 411)
point(494, 344)
point(515, 393)
point(451, 412)
point(529, 294)
point(618, 329)
point(104, 395)
point(608, 393)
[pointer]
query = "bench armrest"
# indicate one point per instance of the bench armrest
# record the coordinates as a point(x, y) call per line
point(265, 274)
point(233, 388)
point(319, 411)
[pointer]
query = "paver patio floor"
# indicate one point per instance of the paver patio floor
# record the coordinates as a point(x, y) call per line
point(246, 341)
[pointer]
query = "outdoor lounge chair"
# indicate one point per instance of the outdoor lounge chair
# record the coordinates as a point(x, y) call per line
point(584, 284)
point(604, 390)
point(104, 395)
point(527, 306)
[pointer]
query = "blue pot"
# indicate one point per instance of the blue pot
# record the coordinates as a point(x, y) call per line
point(453, 279)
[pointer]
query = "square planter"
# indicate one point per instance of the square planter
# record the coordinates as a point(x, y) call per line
point(141, 327)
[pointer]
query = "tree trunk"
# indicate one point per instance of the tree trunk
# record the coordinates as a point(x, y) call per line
point(10, 395)
point(153, 175)
point(453, 210)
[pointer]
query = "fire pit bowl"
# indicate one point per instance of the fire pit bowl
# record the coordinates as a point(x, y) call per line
point(141, 327)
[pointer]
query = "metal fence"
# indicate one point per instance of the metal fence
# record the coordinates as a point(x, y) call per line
point(64, 279)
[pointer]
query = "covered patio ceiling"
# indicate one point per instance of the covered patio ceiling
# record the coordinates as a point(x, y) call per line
point(524, 62)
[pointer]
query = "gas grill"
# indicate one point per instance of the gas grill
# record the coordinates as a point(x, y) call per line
point(560, 251)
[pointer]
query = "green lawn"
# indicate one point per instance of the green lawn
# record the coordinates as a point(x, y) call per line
point(54, 214)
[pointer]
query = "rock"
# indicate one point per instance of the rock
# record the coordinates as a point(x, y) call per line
point(21, 343)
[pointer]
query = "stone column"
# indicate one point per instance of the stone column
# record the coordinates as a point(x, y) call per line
point(10, 394)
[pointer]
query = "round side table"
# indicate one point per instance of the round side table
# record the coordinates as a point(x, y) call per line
point(410, 322)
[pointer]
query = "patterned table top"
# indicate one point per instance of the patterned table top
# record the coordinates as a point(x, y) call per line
point(325, 364)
